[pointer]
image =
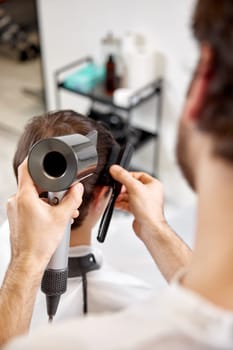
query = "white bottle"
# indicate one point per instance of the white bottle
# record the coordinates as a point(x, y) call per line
point(139, 61)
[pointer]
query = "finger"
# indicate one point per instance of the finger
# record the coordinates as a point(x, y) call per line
point(123, 176)
point(123, 190)
point(24, 179)
point(123, 197)
point(122, 202)
point(122, 206)
point(73, 199)
point(142, 177)
point(10, 204)
point(128, 179)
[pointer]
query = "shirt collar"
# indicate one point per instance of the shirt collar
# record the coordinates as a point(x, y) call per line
point(82, 250)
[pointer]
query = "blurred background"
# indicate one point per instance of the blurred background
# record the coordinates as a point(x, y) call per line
point(124, 62)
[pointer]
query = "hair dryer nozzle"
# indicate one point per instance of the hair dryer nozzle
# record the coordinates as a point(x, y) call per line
point(55, 163)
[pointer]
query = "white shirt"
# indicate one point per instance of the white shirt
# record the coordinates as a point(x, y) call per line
point(175, 319)
point(108, 289)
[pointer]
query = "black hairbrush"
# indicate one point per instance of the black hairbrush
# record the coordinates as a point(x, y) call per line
point(123, 159)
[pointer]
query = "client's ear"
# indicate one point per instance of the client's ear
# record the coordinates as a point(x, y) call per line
point(99, 197)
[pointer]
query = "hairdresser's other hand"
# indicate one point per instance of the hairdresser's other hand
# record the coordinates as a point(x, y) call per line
point(36, 226)
point(142, 195)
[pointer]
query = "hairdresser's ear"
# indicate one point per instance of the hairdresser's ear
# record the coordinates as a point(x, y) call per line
point(199, 85)
point(101, 194)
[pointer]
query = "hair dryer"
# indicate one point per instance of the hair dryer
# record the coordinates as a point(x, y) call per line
point(55, 164)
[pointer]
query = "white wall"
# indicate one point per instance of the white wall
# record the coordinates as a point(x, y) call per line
point(73, 28)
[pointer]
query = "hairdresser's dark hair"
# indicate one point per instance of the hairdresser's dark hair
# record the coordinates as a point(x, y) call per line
point(213, 25)
point(66, 122)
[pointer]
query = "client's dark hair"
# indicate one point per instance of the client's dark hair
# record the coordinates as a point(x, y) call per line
point(66, 122)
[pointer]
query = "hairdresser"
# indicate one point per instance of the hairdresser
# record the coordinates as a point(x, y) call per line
point(33, 243)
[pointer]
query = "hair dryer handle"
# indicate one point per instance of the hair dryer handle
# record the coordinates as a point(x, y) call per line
point(59, 260)
point(54, 282)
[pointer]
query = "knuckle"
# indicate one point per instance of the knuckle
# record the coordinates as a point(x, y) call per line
point(10, 202)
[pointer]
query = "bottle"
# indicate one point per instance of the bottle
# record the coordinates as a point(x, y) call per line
point(110, 80)
point(111, 45)
point(140, 61)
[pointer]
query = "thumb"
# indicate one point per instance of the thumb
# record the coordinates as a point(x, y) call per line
point(72, 199)
point(123, 176)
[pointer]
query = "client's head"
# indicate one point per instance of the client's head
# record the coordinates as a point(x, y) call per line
point(68, 122)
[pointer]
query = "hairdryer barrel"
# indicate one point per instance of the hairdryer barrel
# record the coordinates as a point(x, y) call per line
point(57, 162)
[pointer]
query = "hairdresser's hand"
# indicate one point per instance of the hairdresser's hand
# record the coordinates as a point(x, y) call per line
point(142, 195)
point(36, 226)
point(36, 230)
